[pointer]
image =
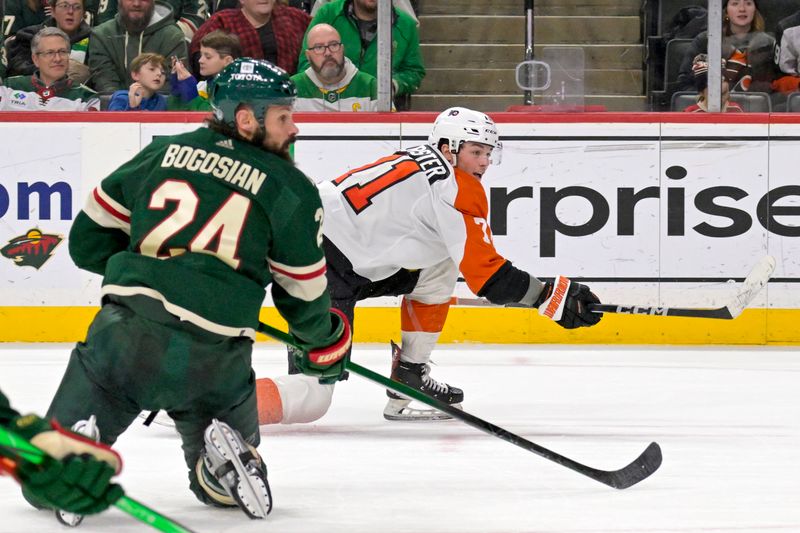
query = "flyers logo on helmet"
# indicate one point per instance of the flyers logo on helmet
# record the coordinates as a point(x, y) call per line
point(32, 249)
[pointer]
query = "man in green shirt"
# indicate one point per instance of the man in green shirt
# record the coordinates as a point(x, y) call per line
point(187, 235)
point(189, 14)
point(139, 26)
point(357, 23)
point(332, 82)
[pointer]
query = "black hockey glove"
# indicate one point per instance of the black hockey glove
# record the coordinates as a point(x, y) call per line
point(328, 363)
point(567, 303)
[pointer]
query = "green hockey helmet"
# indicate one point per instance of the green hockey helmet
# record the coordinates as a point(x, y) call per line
point(254, 82)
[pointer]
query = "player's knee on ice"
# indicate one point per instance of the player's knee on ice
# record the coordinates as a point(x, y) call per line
point(292, 399)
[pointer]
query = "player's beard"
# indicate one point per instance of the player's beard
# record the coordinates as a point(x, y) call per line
point(261, 138)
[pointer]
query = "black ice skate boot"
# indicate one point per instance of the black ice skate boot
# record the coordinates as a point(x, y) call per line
point(417, 376)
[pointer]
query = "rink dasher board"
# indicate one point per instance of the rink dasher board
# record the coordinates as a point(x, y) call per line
point(650, 209)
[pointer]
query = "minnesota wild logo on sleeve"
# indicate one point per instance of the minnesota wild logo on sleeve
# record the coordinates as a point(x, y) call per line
point(32, 249)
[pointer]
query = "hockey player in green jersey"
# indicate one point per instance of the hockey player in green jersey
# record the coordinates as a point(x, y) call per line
point(187, 235)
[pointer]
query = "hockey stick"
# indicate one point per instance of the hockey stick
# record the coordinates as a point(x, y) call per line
point(753, 283)
point(644, 465)
point(14, 449)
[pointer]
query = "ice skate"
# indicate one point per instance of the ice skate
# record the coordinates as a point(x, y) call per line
point(87, 428)
point(237, 469)
point(417, 376)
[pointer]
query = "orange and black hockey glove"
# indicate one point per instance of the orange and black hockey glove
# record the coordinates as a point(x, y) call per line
point(567, 303)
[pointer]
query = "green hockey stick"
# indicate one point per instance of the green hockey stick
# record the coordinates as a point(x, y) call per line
point(14, 449)
point(641, 467)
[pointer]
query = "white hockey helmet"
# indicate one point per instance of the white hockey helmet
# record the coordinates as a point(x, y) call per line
point(459, 125)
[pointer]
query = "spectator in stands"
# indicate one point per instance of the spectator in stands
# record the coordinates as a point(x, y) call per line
point(786, 55)
point(217, 50)
point(149, 75)
point(357, 23)
point(48, 88)
point(743, 31)
point(2, 53)
point(700, 73)
point(266, 30)
point(218, 5)
point(403, 5)
point(139, 26)
point(20, 14)
point(3, 61)
point(67, 16)
point(188, 14)
point(332, 82)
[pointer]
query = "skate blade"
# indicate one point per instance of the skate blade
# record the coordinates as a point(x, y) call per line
point(399, 410)
point(69, 519)
point(253, 508)
point(251, 493)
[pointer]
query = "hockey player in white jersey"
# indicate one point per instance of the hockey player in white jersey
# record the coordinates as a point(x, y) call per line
point(406, 224)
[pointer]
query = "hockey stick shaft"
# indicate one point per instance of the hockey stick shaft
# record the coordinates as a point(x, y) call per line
point(14, 449)
point(721, 312)
point(756, 280)
point(647, 463)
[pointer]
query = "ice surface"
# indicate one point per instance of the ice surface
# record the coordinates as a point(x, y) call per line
point(727, 419)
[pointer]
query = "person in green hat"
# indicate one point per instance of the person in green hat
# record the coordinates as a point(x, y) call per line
point(187, 235)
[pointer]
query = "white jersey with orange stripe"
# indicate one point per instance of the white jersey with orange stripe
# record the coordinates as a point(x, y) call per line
point(410, 210)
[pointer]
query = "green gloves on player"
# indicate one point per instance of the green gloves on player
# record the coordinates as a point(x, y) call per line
point(76, 473)
point(567, 303)
point(328, 363)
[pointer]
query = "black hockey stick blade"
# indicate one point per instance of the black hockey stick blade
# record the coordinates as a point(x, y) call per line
point(641, 468)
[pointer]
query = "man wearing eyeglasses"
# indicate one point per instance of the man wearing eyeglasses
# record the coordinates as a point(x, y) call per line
point(357, 23)
point(332, 82)
point(68, 16)
point(48, 88)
